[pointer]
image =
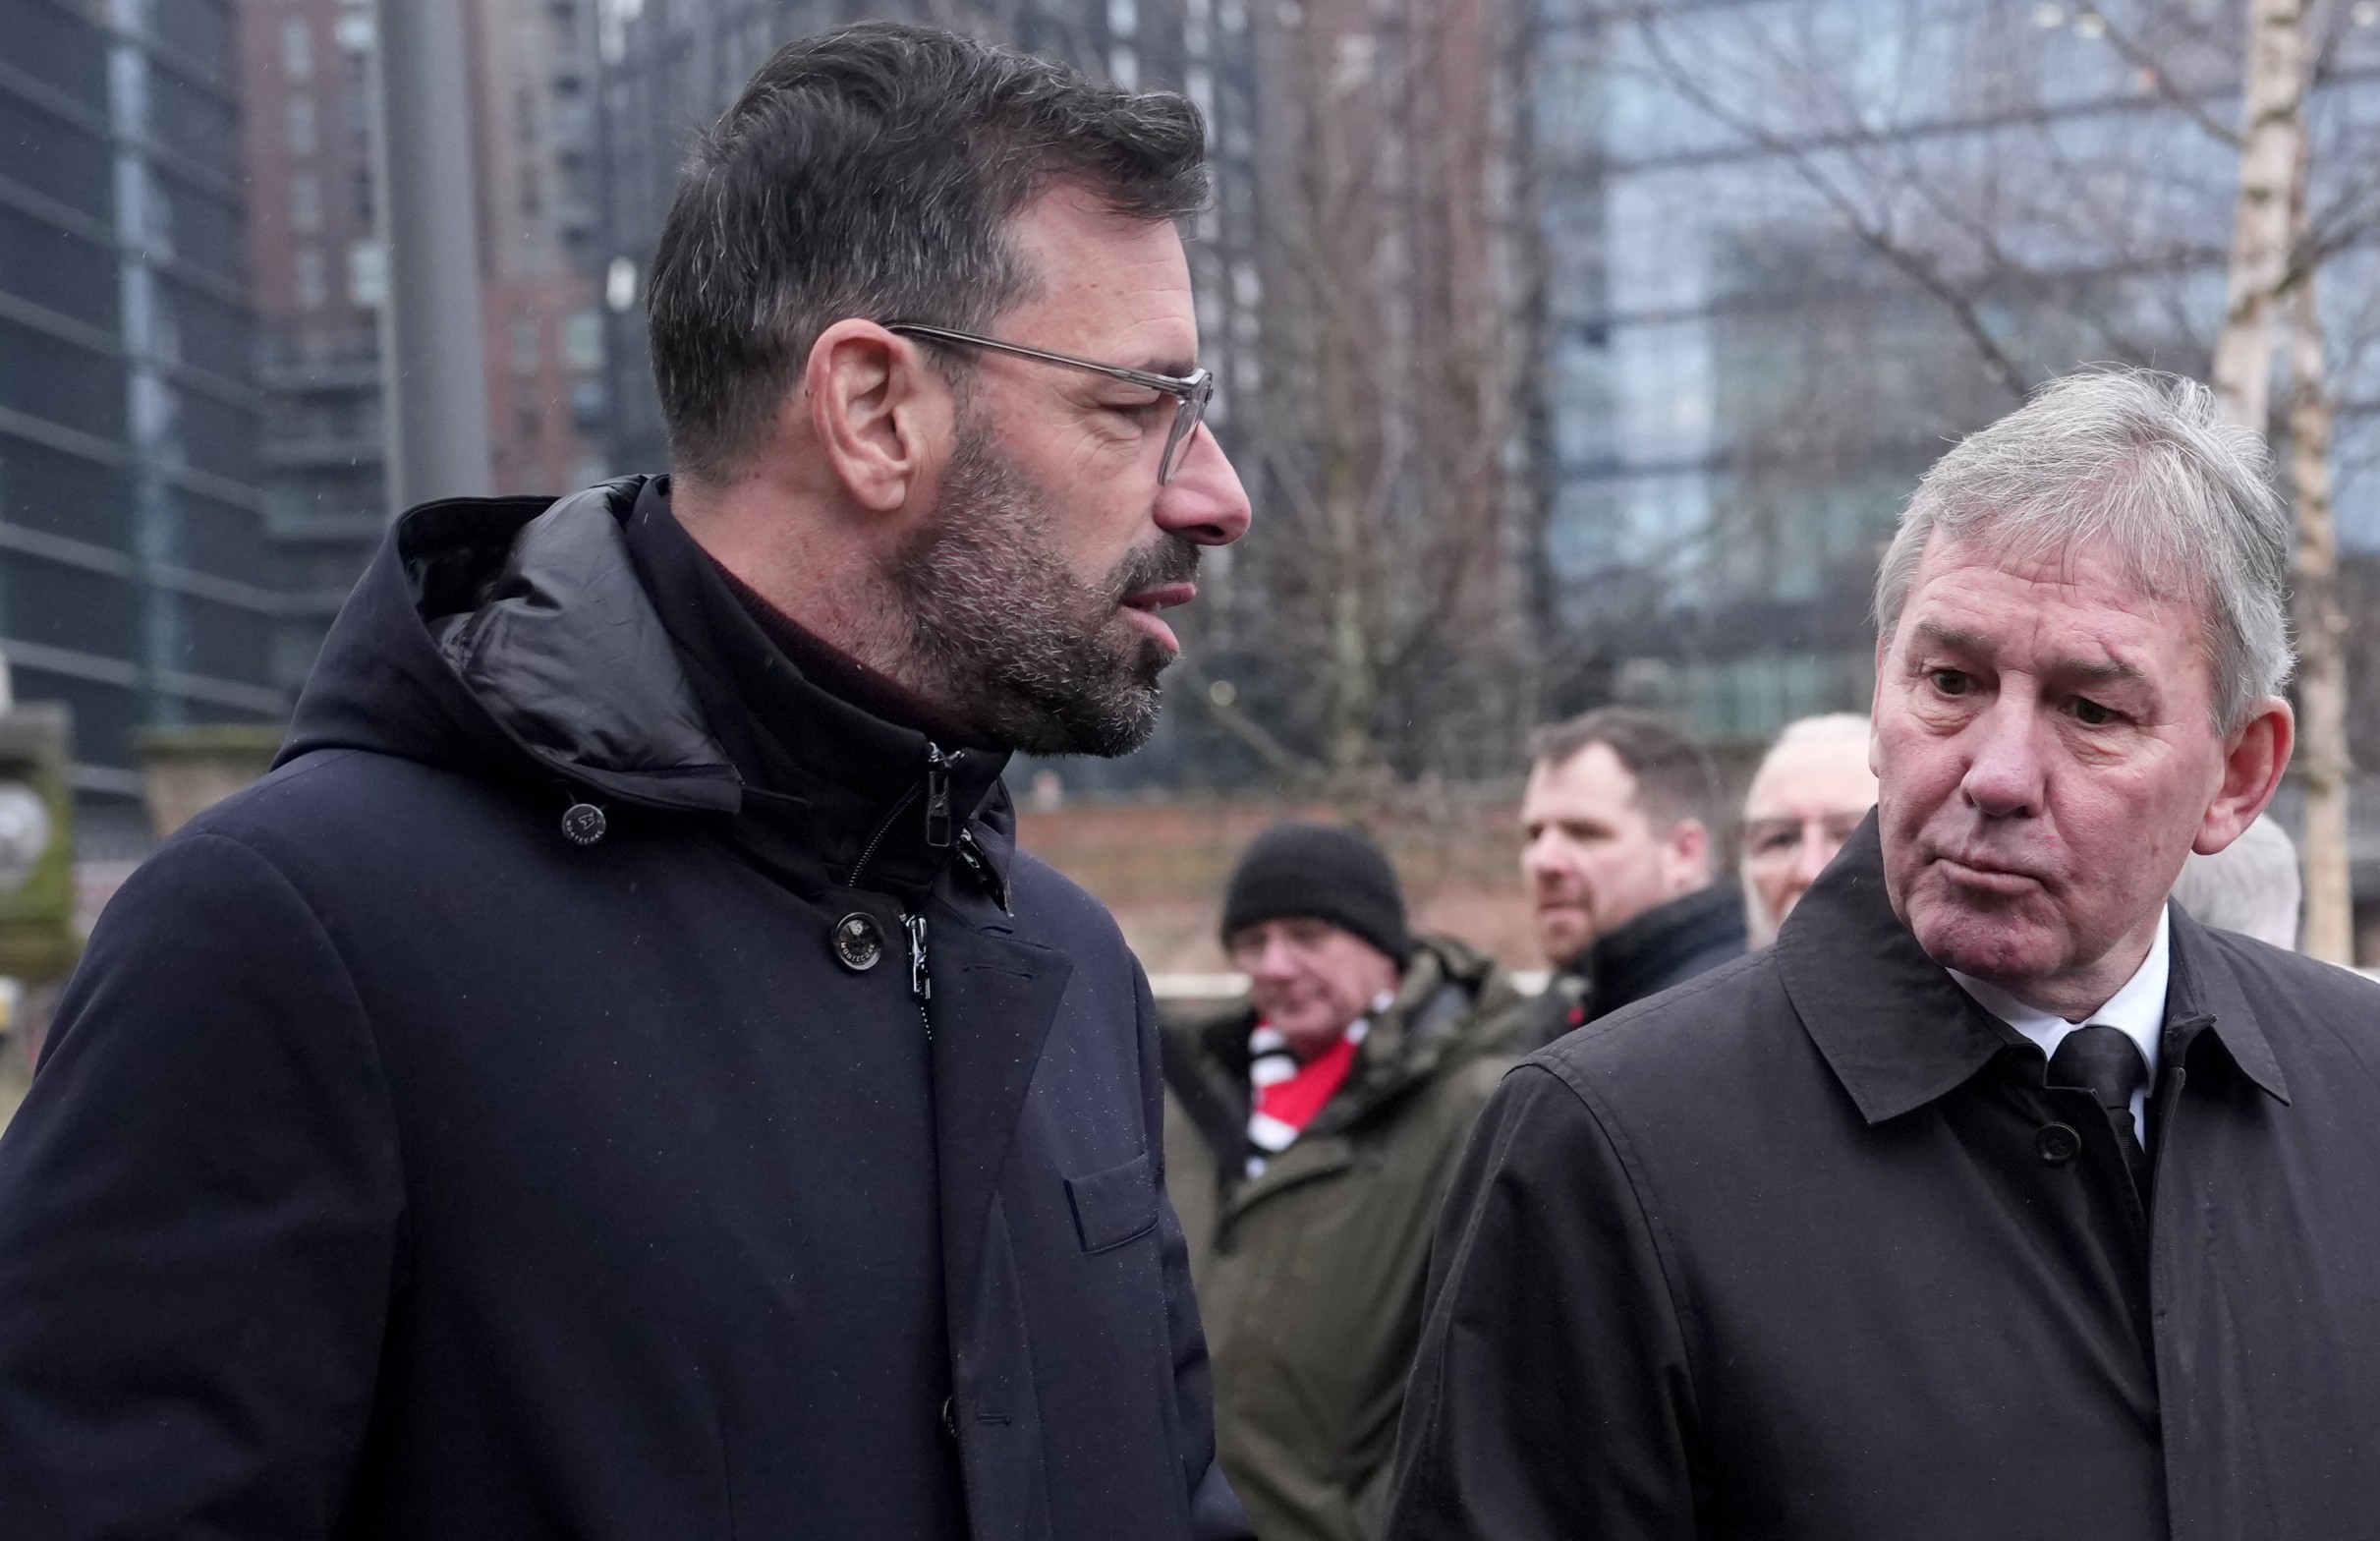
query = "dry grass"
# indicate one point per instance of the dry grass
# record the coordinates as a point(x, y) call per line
point(13, 1080)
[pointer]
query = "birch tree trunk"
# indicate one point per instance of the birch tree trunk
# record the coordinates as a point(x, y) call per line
point(2272, 111)
point(2322, 752)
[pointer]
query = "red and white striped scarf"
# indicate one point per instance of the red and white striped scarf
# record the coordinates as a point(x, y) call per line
point(1287, 1095)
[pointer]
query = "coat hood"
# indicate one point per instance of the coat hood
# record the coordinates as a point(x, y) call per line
point(509, 638)
point(520, 640)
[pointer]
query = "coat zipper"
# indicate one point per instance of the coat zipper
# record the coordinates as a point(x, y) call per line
point(936, 790)
point(921, 983)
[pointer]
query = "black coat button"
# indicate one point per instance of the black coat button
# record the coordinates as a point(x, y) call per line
point(951, 1416)
point(858, 944)
point(583, 823)
point(2057, 1143)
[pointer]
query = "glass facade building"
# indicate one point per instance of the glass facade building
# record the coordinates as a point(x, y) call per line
point(135, 582)
point(1795, 247)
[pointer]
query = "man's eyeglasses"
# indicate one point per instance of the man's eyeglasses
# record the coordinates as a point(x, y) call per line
point(1191, 391)
point(1781, 839)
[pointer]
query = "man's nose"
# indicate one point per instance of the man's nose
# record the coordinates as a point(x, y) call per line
point(1275, 960)
point(2004, 779)
point(1810, 858)
point(1205, 500)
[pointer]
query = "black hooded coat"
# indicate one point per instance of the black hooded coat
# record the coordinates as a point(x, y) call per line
point(525, 1113)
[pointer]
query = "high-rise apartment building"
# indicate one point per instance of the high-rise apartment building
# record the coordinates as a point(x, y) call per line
point(319, 274)
point(322, 274)
point(546, 391)
point(135, 583)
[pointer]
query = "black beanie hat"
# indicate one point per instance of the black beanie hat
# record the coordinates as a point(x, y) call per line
point(1319, 872)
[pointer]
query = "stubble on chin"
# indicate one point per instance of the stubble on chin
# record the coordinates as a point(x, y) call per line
point(1000, 631)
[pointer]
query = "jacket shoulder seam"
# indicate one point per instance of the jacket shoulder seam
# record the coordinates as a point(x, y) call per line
point(347, 980)
point(1606, 1125)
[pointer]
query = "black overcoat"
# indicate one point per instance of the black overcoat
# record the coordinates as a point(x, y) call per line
point(403, 1166)
point(1793, 1251)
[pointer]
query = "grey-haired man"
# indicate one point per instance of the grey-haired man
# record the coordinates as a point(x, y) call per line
point(1997, 1198)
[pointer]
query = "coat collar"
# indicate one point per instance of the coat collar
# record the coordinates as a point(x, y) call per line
point(2205, 996)
point(846, 771)
point(1645, 955)
point(1897, 1031)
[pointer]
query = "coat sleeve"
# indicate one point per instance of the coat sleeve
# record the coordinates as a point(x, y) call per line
point(1549, 1397)
point(200, 1213)
point(1215, 1513)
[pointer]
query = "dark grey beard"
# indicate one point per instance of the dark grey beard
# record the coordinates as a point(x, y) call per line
point(1007, 637)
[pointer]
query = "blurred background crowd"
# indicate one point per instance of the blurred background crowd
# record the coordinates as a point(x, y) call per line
point(1574, 353)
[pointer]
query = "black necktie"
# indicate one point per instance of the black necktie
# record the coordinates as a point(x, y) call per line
point(2105, 1062)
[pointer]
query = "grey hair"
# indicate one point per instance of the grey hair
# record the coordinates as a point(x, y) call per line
point(2146, 463)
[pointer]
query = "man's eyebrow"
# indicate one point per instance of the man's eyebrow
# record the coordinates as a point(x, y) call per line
point(2096, 671)
point(1956, 638)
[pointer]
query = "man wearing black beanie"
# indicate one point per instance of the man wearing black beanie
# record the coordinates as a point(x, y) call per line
point(1309, 1134)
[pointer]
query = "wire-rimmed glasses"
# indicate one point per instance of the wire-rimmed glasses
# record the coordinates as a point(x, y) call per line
point(1190, 391)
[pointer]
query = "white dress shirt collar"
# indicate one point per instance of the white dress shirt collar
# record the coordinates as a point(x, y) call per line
point(2139, 1008)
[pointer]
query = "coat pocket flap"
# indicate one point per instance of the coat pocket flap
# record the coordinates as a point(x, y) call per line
point(1115, 1205)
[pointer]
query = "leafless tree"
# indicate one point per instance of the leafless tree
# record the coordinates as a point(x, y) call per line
point(2050, 195)
point(1371, 407)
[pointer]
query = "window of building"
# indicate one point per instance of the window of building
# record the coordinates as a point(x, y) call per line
point(296, 49)
point(368, 274)
point(583, 340)
point(300, 118)
point(310, 288)
point(305, 202)
point(525, 344)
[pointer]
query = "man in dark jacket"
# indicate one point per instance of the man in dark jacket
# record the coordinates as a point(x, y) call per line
point(616, 1077)
point(1617, 816)
point(1311, 1131)
point(1998, 1198)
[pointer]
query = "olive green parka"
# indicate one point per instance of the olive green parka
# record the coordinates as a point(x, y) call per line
point(1310, 1275)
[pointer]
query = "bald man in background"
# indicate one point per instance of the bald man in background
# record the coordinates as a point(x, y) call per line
point(1808, 795)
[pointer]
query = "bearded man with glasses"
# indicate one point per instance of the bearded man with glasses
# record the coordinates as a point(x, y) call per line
point(617, 1077)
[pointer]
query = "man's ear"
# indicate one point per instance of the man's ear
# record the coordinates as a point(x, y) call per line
point(2254, 760)
point(880, 415)
point(1691, 853)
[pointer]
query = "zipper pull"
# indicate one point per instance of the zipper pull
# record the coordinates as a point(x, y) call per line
point(938, 794)
point(921, 984)
point(979, 866)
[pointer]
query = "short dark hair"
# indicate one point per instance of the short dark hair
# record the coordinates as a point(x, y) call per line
point(873, 172)
point(1674, 779)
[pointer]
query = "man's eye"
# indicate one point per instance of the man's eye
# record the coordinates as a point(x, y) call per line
point(1950, 683)
point(2090, 714)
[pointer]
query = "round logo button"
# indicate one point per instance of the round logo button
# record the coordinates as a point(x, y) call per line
point(583, 823)
point(859, 945)
point(2057, 1143)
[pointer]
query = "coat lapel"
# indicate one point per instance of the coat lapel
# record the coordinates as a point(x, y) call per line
point(994, 998)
